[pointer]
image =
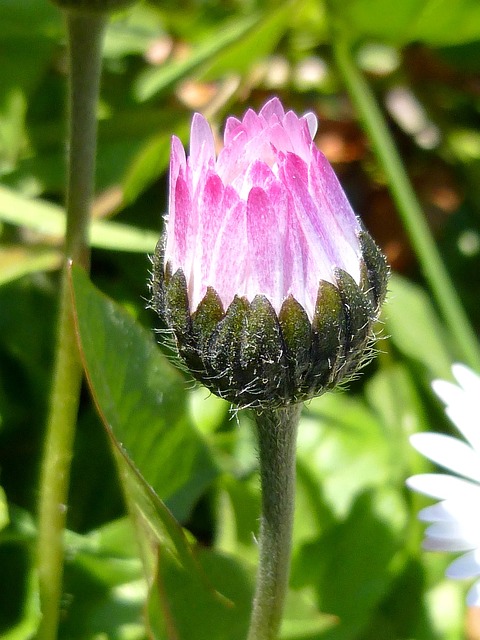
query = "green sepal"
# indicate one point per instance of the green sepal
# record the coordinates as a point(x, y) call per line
point(297, 335)
point(157, 282)
point(262, 353)
point(223, 351)
point(177, 310)
point(375, 280)
point(359, 313)
point(208, 314)
point(328, 335)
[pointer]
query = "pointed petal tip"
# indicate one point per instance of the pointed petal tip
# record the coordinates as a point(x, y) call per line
point(201, 136)
point(271, 108)
point(312, 123)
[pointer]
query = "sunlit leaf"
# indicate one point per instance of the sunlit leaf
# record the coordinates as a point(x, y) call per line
point(342, 445)
point(436, 22)
point(154, 80)
point(181, 607)
point(17, 261)
point(49, 219)
point(258, 42)
point(4, 518)
point(350, 566)
point(415, 329)
point(141, 399)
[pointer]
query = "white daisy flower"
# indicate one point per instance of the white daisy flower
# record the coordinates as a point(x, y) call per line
point(456, 519)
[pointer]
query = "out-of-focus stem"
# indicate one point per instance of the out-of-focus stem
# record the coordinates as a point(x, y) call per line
point(84, 41)
point(410, 211)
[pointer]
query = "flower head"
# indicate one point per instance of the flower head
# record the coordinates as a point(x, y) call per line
point(455, 521)
point(266, 276)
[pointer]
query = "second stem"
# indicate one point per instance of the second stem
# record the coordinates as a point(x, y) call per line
point(85, 33)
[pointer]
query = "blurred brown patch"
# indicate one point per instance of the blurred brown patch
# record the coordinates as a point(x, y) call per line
point(472, 623)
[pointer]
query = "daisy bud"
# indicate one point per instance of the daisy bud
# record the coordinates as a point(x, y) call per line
point(265, 277)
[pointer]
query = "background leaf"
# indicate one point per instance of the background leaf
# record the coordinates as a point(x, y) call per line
point(141, 399)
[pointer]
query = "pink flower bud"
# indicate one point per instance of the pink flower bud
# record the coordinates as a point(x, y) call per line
point(266, 276)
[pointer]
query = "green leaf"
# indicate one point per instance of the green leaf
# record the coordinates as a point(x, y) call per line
point(253, 45)
point(344, 449)
point(150, 162)
point(154, 80)
point(193, 612)
point(132, 31)
point(415, 329)
point(351, 566)
point(19, 605)
point(435, 22)
point(393, 394)
point(141, 399)
point(4, 517)
point(49, 219)
point(17, 261)
point(106, 586)
point(27, 26)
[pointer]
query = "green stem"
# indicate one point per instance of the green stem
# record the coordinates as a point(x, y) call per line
point(85, 39)
point(410, 211)
point(277, 434)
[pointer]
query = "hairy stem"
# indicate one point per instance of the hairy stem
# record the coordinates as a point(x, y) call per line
point(277, 435)
point(410, 211)
point(84, 39)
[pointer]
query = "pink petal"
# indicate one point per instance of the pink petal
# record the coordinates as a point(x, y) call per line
point(176, 248)
point(272, 108)
point(308, 218)
point(343, 225)
point(266, 230)
point(231, 129)
point(299, 275)
point(299, 135)
point(210, 216)
point(202, 144)
point(252, 124)
point(312, 123)
point(177, 167)
point(229, 265)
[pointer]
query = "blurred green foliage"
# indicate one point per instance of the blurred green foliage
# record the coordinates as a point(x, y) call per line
point(358, 573)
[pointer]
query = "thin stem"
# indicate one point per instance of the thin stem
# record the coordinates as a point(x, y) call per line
point(410, 211)
point(277, 434)
point(85, 38)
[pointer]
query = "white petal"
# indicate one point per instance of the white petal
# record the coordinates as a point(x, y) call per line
point(467, 566)
point(462, 402)
point(443, 486)
point(467, 379)
point(449, 511)
point(473, 596)
point(457, 530)
point(448, 452)
point(448, 392)
point(464, 416)
point(312, 123)
point(447, 544)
